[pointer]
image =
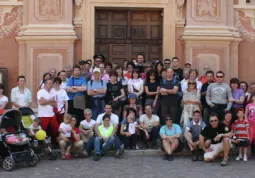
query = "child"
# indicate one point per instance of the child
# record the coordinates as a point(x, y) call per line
point(65, 130)
point(250, 116)
point(241, 134)
point(34, 127)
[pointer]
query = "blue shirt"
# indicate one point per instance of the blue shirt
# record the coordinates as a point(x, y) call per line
point(98, 85)
point(176, 129)
point(81, 81)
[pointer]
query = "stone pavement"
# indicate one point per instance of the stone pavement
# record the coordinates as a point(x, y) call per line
point(131, 166)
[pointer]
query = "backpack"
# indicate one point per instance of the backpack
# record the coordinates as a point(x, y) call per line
point(174, 82)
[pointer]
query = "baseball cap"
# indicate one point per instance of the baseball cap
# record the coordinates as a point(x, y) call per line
point(82, 62)
point(96, 70)
point(187, 63)
point(131, 96)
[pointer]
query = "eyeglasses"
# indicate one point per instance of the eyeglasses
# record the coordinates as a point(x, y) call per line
point(167, 63)
point(148, 66)
point(214, 121)
point(219, 76)
point(191, 83)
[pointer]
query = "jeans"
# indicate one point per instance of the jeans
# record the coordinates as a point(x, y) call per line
point(99, 109)
point(153, 135)
point(220, 110)
point(101, 148)
point(90, 145)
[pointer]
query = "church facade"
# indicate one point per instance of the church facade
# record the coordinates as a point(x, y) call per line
point(42, 34)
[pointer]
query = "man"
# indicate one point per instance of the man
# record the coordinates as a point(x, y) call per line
point(167, 63)
point(62, 76)
point(46, 102)
point(53, 72)
point(187, 65)
point(191, 134)
point(85, 70)
point(21, 95)
point(96, 91)
point(139, 63)
point(214, 139)
point(103, 76)
point(203, 78)
point(193, 73)
point(98, 59)
point(76, 87)
point(149, 124)
point(178, 72)
point(68, 70)
point(209, 78)
point(170, 102)
point(218, 95)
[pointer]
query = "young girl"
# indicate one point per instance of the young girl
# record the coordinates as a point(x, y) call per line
point(250, 116)
point(65, 130)
point(241, 134)
point(34, 127)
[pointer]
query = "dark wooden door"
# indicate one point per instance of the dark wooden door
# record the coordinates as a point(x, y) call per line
point(122, 34)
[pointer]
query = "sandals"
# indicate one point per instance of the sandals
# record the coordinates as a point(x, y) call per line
point(68, 157)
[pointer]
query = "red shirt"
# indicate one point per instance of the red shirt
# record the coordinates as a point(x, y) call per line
point(203, 79)
point(77, 131)
point(129, 76)
point(240, 128)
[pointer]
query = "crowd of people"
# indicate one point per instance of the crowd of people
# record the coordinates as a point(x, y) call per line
point(101, 105)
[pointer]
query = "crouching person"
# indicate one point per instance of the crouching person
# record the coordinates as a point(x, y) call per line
point(191, 134)
point(105, 139)
point(214, 139)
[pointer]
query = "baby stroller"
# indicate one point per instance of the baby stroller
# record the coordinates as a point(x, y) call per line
point(14, 141)
point(27, 116)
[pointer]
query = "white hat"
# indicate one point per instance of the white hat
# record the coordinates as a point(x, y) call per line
point(96, 70)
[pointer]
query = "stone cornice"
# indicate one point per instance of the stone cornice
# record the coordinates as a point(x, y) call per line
point(45, 39)
point(11, 3)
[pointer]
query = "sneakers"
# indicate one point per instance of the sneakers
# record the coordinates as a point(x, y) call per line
point(120, 152)
point(245, 158)
point(97, 157)
point(165, 157)
point(239, 157)
point(170, 158)
point(200, 155)
point(224, 162)
point(194, 155)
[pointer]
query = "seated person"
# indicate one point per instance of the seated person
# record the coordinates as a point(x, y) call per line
point(214, 139)
point(132, 104)
point(87, 126)
point(128, 129)
point(170, 134)
point(191, 134)
point(149, 125)
point(33, 128)
point(106, 139)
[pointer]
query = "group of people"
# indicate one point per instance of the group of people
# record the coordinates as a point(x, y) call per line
point(101, 104)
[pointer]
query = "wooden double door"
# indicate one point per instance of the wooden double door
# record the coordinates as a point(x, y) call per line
point(122, 34)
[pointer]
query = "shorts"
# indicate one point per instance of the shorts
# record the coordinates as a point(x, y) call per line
point(243, 143)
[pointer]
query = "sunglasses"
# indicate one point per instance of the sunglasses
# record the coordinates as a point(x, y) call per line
point(168, 119)
point(167, 63)
point(191, 83)
point(219, 76)
point(214, 121)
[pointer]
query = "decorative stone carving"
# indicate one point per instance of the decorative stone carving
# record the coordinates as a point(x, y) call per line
point(206, 8)
point(78, 3)
point(49, 9)
point(179, 10)
point(180, 3)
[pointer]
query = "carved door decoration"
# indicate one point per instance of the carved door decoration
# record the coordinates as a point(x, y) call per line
point(122, 34)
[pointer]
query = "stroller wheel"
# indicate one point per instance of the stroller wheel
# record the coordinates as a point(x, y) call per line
point(52, 155)
point(8, 163)
point(33, 161)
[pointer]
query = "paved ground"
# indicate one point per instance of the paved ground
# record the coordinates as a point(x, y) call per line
point(133, 167)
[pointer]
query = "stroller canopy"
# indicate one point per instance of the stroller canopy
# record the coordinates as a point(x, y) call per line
point(10, 118)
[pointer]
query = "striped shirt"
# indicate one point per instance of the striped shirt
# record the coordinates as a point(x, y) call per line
point(240, 128)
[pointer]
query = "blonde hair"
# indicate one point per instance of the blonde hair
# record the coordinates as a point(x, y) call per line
point(68, 116)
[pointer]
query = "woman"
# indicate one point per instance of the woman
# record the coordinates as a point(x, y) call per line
point(108, 68)
point(238, 97)
point(191, 100)
point(132, 104)
point(152, 90)
point(45, 76)
point(87, 126)
point(120, 77)
point(114, 93)
point(148, 67)
point(244, 86)
point(21, 95)
point(135, 85)
point(159, 68)
point(61, 98)
point(228, 120)
point(130, 68)
point(3, 99)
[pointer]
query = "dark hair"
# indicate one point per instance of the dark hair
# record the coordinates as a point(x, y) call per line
point(108, 64)
point(214, 115)
point(1, 86)
point(147, 105)
point(113, 73)
point(37, 120)
point(149, 73)
point(220, 72)
point(167, 60)
point(228, 112)
point(175, 58)
point(246, 84)
point(99, 56)
point(193, 70)
point(235, 81)
point(156, 66)
point(196, 111)
point(21, 76)
point(252, 94)
point(140, 54)
point(60, 72)
point(164, 70)
point(107, 104)
point(47, 80)
point(130, 109)
point(131, 63)
point(136, 71)
point(106, 116)
point(193, 81)
point(209, 72)
point(76, 67)
point(57, 79)
point(45, 75)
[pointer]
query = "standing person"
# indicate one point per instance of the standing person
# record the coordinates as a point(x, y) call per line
point(218, 95)
point(203, 78)
point(178, 72)
point(214, 139)
point(238, 97)
point(53, 72)
point(244, 86)
point(69, 71)
point(114, 93)
point(124, 81)
point(98, 59)
point(21, 95)
point(252, 90)
point(250, 116)
point(209, 78)
point(125, 66)
point(148, 67)
point(193, 73)
point(163, 74)
point(61, 98)
point(241, 135)
point(46, 102)
point(135, 85)
point(191, 100)
point(3, 98)
point(187, 65)
point(96, 91)
point(86, 70)
point(76, 87)
point(103, 76)
point(184, 82)
point(130, 68)
point(45, 77)
point(152, 91)
point(62, 76)
point(139, 65)
point(167, 63)
point(158, 68)
point(169, 89)
point(108, 68)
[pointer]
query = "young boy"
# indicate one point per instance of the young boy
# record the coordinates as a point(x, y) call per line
point(241, 134)
point(34, 127)
point(65, 131)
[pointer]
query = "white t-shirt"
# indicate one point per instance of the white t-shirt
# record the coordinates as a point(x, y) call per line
point(66, 128)
point(135, 83)
point(34, 129)
point(3, 99)
point(87, 125)
point(131, 127)
point(63, 85)
point(114, 119)
point(144, 118)
point(44, 110)
point(61, 97)
point(184, 85)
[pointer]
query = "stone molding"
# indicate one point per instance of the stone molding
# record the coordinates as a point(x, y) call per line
point(11, 3)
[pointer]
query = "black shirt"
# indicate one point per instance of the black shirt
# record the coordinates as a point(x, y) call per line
point(204, 89)
point(210, 133)
point(152, 87)
point(113, 91)
point(170, 99)
point(178, 74)
point(140, 67)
